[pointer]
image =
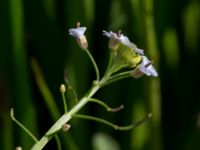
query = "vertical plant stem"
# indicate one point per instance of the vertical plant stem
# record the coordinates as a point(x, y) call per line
point(94, 64)
point(64, 102)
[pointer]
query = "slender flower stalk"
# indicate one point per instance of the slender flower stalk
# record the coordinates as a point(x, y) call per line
point(94, 64)
point(106, 106)
point(58, 142)
point(62, 90)
point(116, 127)
point(78, 33)
point(21, 125)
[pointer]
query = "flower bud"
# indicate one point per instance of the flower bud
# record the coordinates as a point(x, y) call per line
point(62, 88)
point(18, 148)
point(66, 127)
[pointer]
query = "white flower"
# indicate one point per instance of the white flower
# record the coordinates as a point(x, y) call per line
point(115, 39)
point(120, 38)
point(111, 35)
point(78, 33)
point(145, 67)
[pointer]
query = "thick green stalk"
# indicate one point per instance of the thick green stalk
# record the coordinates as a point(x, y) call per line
point(65, 118)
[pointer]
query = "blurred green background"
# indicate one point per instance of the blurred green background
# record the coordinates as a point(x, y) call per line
point(168, 31)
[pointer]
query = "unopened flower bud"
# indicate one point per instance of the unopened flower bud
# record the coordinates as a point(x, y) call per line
point(62, 88)
point(66, 127)
point(18, 148)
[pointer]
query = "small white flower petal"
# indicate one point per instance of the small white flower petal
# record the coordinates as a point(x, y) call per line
point(139, 51)
point(144, 70)
point(123, 39)
point(152, 71)
point(126, 41)
point(111, 35)
point(148, 70)
point(77, 32)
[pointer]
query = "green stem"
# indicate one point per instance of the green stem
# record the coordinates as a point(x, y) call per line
point(21, 125)
point(64, 102)
point(116, 127)
point(110, 63)
point(117, 77)
point(65, 118)
point(58, 142)
point(94, 64)
point(106, 106)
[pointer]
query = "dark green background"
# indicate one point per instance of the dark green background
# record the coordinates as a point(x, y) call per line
point(168, 31)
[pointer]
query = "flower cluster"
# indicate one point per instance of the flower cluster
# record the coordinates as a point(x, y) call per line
point(133, 54)
point(125, 53)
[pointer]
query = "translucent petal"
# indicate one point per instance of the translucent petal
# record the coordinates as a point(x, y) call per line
point(148, 70)
point(77, 32)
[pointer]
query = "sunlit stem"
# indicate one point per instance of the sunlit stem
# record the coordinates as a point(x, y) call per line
point(58, 142)
point(94, 64)
point(116, 127)
point(106, 106)
point(21, 125)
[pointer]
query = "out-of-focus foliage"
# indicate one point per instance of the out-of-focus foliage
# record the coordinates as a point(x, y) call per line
point(168, 31)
